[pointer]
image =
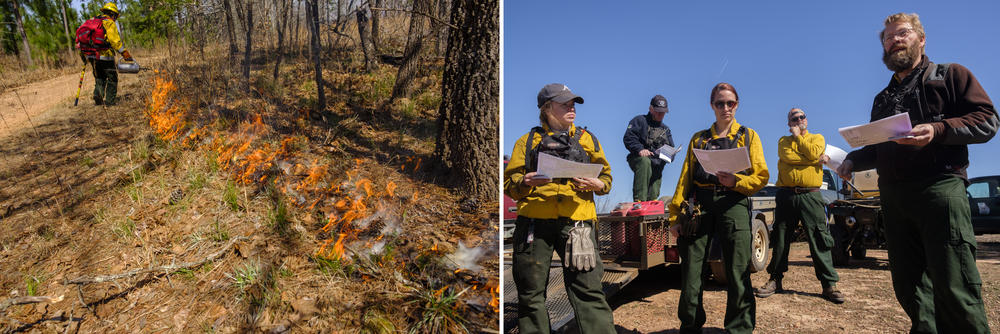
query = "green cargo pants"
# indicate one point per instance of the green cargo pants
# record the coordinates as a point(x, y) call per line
point(808, 207)
point(534, 241)
point(105, 82)
point(932, 255)
point(727, 217)
point(646, 182)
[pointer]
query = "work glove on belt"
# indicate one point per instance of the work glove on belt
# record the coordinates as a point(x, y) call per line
point(581, 254)
point(689, 217)
point(127, 56)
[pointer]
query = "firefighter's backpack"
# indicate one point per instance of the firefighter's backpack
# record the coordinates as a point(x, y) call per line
point(90, 37)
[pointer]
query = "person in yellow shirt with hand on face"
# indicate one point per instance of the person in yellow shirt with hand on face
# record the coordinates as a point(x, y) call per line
point(800, 174)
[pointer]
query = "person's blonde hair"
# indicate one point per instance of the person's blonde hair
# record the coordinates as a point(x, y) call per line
point(542, 113)
point(912, 18)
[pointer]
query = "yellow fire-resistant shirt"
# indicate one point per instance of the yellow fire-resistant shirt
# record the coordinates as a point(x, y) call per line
point(557, 198)
point(798, 160)
point(112, 36)
point(745, 184)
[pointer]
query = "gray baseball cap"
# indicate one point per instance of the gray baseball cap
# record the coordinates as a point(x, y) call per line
point(659, 103)
point(557, 92)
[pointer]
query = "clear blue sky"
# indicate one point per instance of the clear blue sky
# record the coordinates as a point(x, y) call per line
point(823, 57)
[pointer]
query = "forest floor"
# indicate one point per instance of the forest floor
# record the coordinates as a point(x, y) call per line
point(186, 208)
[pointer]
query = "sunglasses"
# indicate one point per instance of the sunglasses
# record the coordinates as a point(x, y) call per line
point(723, 104)
point(797, 118)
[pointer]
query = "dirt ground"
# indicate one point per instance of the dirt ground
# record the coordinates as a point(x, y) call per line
point(649, 304)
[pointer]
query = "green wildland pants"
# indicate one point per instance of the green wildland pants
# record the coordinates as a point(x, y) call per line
point(808, 207)
point(646, 182)
point(727, 218)
point(534, 241)
point(932, 255)
point(105, 82)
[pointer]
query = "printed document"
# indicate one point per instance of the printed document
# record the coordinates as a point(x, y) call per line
point(732, 160)
point(667, 152)
point(836, 155)
point(878, 131)
point(555, 168)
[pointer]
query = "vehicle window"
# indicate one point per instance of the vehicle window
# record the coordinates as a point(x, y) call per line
point(984, 189)
point(828, 180)
point(768, 191)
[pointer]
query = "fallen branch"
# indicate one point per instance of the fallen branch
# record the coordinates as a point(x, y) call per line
point(169, 269)
point(28, 300)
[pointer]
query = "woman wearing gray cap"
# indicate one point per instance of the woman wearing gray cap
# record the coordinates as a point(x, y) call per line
point(554, 211)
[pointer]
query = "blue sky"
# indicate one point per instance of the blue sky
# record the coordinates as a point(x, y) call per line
point(823, 57)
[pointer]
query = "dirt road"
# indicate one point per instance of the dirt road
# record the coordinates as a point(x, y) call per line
point(26, 105)
point(649, 304)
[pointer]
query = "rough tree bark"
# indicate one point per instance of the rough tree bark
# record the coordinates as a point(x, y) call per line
point(411, 55)
point(312, 12)
point(365, 36)
point(375, 19)
point(467, 148)
point(24, 37)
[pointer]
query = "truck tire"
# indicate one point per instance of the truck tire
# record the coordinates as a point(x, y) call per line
point(840, 241)
point(760, 250)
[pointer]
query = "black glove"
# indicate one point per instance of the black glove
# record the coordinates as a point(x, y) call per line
point(689, 218)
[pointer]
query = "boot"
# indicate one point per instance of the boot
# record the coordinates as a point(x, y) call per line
point(832, 294)
point(771, 287)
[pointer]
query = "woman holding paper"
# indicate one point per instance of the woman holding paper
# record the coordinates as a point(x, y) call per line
point(725, 208)
point(552, 212)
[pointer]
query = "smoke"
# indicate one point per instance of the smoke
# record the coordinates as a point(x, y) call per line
point(465, 258)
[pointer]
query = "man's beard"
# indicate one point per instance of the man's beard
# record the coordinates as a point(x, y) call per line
point(902, 60)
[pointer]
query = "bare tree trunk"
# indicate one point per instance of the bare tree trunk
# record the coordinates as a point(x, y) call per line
point(281, 21)
point(246, 57)
point(375, 20)
point(298, 13)
point(69, 40)
point(24, 37)
point(468, 124)
point(411, 55)
point(365, 36)
point(230, 29)
point(441, 30)
point(312, 10)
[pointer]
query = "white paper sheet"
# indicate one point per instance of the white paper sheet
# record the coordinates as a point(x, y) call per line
point(667, 152)
point(554, 167)
point(732, 160)
point(836, 155)
point(877, 131)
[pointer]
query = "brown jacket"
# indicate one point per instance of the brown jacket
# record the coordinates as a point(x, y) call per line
point(955, 105)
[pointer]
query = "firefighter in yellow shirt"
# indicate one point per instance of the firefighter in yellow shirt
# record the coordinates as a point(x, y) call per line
point(800, 173)
point(549, 210)
point(105, 72)
point(725, 205)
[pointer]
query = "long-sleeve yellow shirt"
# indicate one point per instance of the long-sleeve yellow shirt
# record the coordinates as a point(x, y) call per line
point(798, 160)
point(745, 184)
point(113, 37)
point(557, 198)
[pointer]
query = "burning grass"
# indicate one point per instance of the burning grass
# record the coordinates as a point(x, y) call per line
point(359, 236)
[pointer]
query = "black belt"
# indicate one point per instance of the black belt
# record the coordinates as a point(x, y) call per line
point(800, 190)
